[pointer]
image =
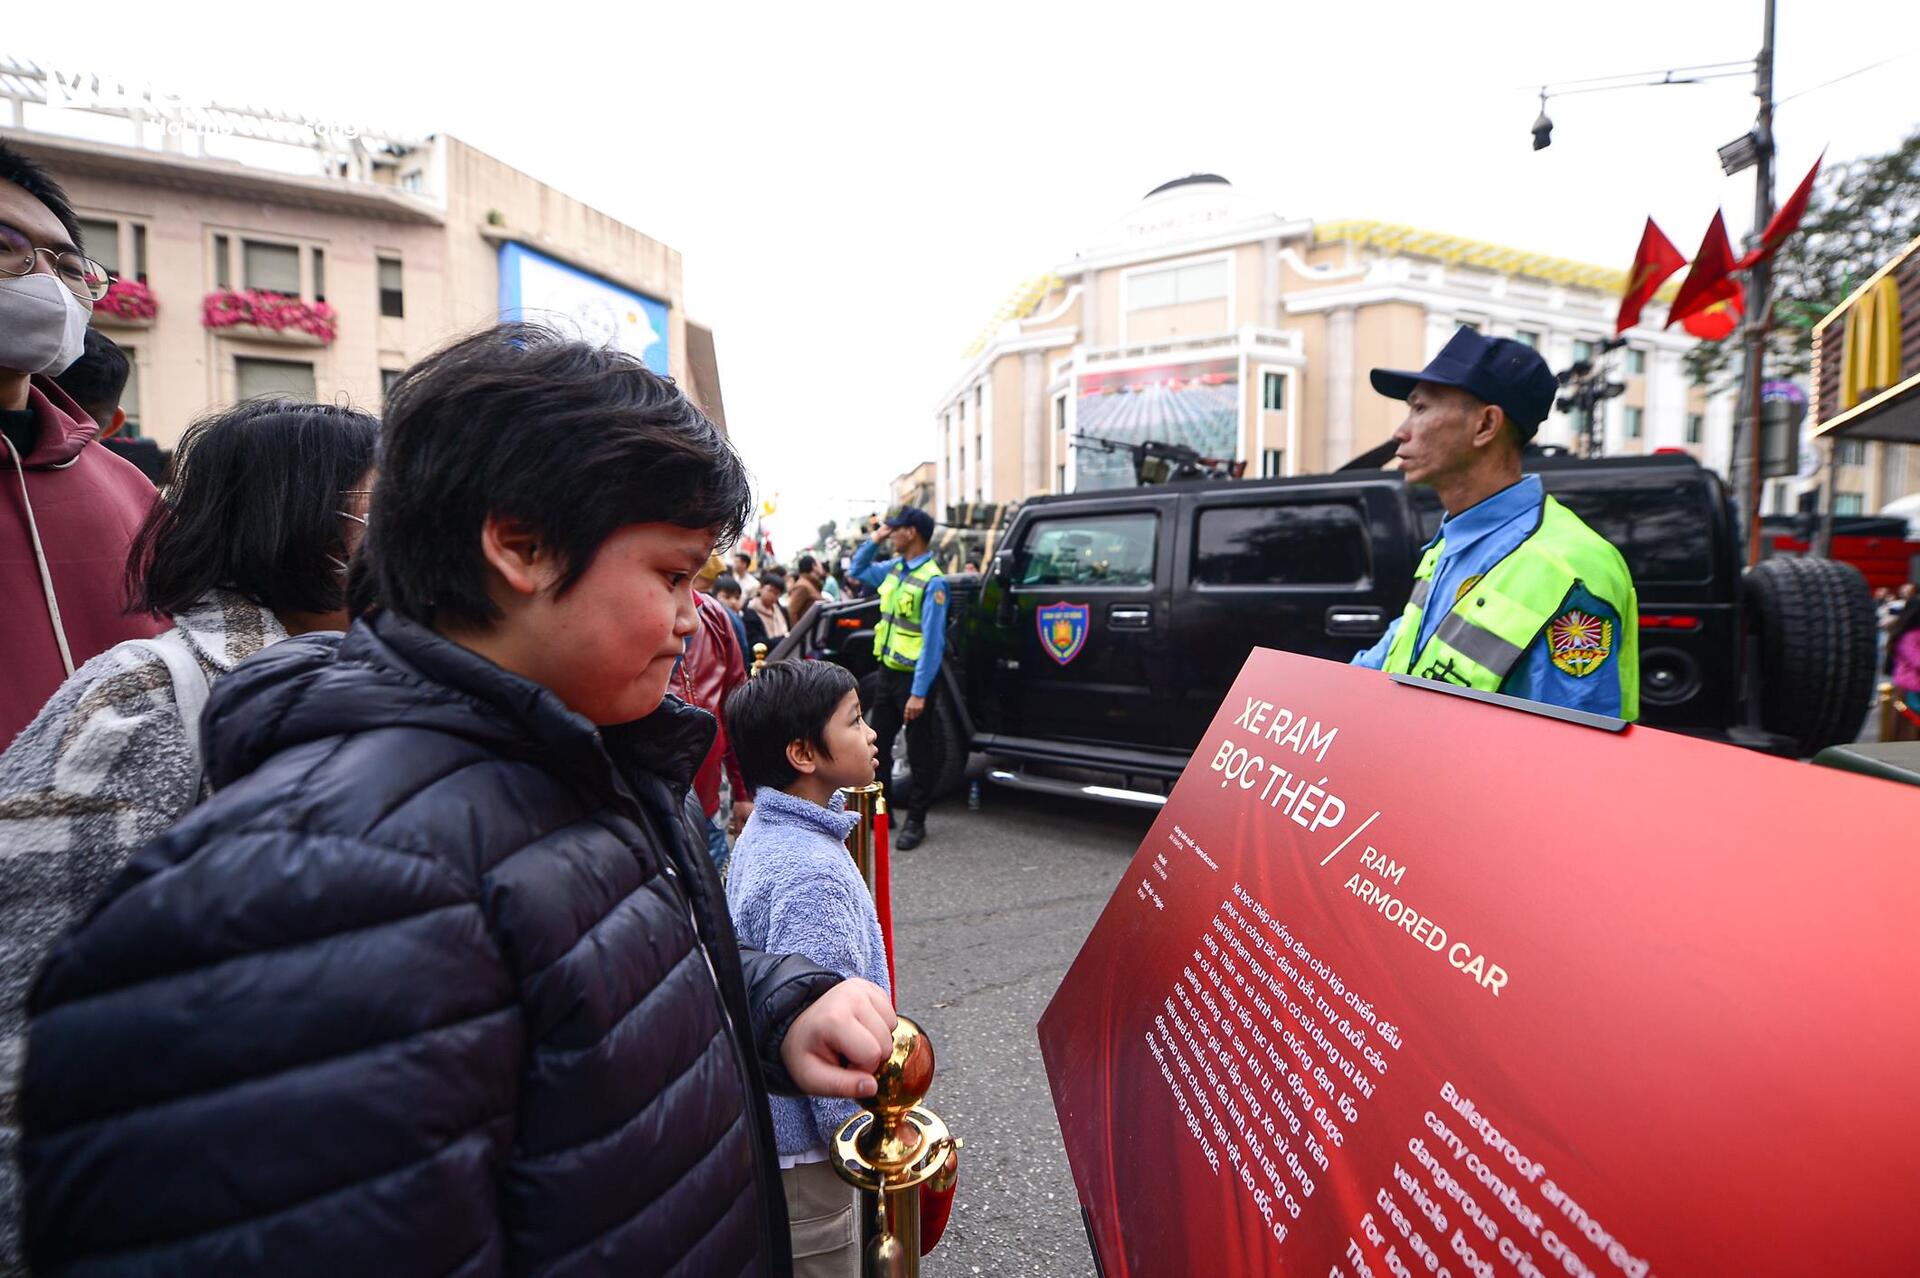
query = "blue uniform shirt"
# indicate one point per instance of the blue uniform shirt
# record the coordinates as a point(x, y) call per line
point(1476, 539)
point(933, 607)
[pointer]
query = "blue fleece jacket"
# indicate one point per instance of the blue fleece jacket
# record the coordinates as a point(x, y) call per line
point(792, 889)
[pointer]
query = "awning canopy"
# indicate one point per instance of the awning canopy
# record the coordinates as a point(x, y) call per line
point(1866, 358)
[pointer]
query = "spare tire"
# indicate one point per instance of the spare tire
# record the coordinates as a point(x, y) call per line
point(1815, 623)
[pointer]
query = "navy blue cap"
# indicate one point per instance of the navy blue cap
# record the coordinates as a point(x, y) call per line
point(911, 517)
point(1498, 370)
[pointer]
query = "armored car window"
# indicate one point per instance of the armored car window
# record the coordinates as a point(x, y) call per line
point(1096, 550)
point(1317, 543)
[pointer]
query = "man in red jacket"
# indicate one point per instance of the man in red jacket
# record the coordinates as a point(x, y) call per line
point(68, 507)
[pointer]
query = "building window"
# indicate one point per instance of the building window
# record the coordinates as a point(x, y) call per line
point(1059, 412)
point(1636, 361)
point(100, 239)
point(1850, 452)
point(1273, 463)
point(1582, 349)
point(222, 262)
point(1176, 285)
point(319, 275)
point(270, 268)
point(130, 395)
point(1280, 546)
point(1696, 428)
point(1849, 503)
point(388, 376)
point(1633, 418)
point(1060, 479)
point(1472, 326)
point(392, 301)
point(1273, 392)
point(1527, 337)
point(289, 377)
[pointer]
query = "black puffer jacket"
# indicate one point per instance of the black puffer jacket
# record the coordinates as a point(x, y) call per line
point(418, 992)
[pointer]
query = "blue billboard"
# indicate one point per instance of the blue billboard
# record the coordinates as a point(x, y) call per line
point(539, 289)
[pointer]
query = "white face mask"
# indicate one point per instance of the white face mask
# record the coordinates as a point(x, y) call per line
point(43, 326)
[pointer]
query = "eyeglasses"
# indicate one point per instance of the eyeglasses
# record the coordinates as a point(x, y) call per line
point(86, 277)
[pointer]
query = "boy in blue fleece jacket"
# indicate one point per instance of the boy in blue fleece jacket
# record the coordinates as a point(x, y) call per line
point(793, 889)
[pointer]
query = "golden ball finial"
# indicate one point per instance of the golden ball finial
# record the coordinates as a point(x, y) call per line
point(903, 1079)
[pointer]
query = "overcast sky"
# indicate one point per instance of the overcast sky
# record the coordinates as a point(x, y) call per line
point(856, 188)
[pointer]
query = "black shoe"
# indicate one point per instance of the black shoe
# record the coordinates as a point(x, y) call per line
point(912, 835)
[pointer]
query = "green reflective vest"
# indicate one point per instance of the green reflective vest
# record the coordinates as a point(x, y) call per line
point(1500, 614)
point(897, 640)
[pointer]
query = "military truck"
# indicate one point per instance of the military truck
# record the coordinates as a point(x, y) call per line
point(1090, 654)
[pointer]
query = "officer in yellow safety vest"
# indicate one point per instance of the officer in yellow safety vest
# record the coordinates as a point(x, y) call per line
point(908, 642)
point(1515, 594)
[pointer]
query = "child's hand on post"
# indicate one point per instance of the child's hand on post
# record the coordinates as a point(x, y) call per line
point(835, 1045)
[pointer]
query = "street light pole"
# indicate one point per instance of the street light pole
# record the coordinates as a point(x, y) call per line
point(1759, 283)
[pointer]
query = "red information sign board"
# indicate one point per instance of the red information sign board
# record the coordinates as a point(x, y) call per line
point(1402, 983)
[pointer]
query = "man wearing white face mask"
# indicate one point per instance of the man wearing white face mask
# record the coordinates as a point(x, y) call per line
point(68, 507)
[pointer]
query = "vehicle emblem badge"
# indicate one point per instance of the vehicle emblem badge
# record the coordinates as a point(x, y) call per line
point(1063, 629)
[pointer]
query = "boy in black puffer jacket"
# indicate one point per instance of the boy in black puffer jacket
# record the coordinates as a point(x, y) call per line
point(436, 983)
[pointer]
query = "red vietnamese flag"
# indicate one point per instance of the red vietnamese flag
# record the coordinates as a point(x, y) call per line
point(1653, 262)
point(1717, 322)
point(1707, 283)
point(1784, 223)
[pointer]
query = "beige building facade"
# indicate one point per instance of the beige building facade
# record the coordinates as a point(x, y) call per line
point(1205, 319)
point(369, 251)
point(916, 487)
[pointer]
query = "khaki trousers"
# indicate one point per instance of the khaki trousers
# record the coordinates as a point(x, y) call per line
point(823, 1212)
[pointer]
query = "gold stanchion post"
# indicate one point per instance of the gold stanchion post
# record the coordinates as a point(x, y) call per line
point(893, 1148)
point(869, 802)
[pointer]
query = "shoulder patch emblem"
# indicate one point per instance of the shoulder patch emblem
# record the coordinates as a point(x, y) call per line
point(1579, 642)
point(940, 594)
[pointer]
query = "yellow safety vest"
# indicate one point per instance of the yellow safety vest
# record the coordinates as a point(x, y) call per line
point(1500, 615)
point(897, 640)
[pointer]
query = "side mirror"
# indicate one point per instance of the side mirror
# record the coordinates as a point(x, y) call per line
point(1000, 569)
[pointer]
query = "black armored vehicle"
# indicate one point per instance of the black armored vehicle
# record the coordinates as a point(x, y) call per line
point(1180, 581)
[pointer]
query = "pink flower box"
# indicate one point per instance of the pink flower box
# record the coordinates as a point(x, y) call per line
point(129, 301)
point(270, 312)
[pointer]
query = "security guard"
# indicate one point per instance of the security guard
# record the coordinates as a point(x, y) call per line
point(1515, 594)
point(909, 641)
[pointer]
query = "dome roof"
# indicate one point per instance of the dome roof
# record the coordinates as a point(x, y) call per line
point(1192, 179)
point(1186, 208)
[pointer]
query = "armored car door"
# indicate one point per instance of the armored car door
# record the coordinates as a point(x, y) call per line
point(1083, 644)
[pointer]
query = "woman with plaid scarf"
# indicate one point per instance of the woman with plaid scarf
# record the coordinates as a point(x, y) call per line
point(250, 546)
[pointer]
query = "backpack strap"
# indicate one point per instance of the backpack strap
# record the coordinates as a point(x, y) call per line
point(190, 686)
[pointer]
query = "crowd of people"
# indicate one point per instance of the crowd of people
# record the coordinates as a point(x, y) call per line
point(365, 804)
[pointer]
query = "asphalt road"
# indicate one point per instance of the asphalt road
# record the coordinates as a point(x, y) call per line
point(988, 914)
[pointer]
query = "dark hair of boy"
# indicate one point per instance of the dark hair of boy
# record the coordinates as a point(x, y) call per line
point(29, 176)
point(807, 564)
point(252, 506)
point(97, 379)
point(521, 422)
point(726, 586)
point(787, 701)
